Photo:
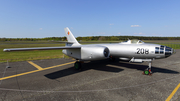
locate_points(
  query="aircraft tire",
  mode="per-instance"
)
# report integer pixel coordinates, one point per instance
(77, 65)
(146, 72)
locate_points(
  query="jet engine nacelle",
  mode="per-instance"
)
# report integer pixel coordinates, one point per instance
(94, 53)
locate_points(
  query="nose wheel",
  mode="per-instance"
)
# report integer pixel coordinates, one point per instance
(148, 70)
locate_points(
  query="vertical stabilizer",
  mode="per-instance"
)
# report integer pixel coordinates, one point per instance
(70, 36)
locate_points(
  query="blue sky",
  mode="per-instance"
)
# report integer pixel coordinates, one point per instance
(48, 18)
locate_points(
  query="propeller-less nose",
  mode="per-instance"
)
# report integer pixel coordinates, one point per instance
(169, 51)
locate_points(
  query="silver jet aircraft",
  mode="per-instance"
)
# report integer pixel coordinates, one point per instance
(131, 50)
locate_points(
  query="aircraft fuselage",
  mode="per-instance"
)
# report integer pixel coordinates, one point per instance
(120, 50)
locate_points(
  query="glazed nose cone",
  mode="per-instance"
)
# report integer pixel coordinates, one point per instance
(169, 51)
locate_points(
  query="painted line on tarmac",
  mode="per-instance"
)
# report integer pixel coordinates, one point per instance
(35, 65)
(12, 76)
(173, 92)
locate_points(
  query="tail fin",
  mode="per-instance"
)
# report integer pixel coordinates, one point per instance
(70, 36)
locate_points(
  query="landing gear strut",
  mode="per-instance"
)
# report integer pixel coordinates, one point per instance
(77, 65)
(148, 70)
(112, 59)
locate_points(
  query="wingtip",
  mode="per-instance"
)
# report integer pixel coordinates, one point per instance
(6, 50)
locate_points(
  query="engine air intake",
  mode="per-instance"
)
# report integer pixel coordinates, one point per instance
(106, 52)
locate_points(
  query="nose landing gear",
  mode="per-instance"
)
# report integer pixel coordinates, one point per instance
(148, 70)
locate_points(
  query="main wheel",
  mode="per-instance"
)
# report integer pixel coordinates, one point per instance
(77, 65)
(112, 59)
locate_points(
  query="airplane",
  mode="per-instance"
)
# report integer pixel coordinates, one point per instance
(131, 50)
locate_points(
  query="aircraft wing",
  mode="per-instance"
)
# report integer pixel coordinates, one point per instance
(41, 48)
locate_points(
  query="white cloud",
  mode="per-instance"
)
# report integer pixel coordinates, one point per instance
(119, 33)
(135, 26)
(40, 28)
(111, 24)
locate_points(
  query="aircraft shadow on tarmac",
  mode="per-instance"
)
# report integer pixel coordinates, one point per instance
(102, 66)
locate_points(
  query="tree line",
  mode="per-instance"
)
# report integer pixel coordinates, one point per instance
(91, 38)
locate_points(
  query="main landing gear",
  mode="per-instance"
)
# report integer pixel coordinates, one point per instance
(148, 70)
(77, 65)
(112, 59)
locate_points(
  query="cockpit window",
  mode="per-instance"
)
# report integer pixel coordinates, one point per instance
(156, 50)
(162, 46)
(161, 50)
(134, 41)
(141, 41)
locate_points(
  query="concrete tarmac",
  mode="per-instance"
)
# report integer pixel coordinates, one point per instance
(57, 80)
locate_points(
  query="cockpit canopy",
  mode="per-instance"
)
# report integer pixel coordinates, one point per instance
(133, 41)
